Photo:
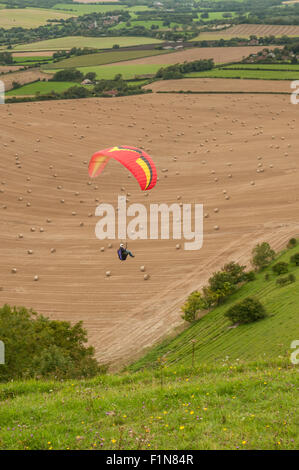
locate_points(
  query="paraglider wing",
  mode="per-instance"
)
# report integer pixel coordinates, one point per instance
(135, 160)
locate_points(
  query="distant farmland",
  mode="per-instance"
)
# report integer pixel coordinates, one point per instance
(68, 42)
(109, 71)
(29, 17)
(103, 58)
(246, 30)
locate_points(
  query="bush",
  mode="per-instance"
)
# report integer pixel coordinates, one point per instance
(295, 259)
(280, 268)
(68, 75)
(267, 277)
(283, 281)
(192, 306)
(36, 346)
(250, 276)
(262, 255)
(292, 243)
(246, 311)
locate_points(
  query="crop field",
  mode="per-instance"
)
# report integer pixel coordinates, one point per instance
(218, 85)
(252, 74)
(103, 58)
(282, 67)
(97, 8)
(68, 42)
(246, 30)
(270, 337)
(220, 55)
(29, 17)
(23, 77)
(41, 87)
(217, 15)
(109, 71)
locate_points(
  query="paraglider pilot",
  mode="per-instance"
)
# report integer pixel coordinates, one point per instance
(123, 252)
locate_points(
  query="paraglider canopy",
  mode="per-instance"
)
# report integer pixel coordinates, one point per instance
(135, 160)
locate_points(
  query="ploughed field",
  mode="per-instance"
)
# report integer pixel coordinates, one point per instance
(235, 154)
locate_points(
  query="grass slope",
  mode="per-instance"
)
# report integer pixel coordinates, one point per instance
(265, 339)
(29, 17)
(229, 406)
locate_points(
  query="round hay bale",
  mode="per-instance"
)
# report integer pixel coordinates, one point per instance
(108, 273)
(142, 268)
(53, 250)
(216, 227)
(30, 252)
(14, 270)
(178, 246)
(102, 248)
(36, 277)
(146, 277)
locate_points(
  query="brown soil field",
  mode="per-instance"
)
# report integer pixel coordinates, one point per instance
(34, 54)
(45, 195)
(8, 68)
(246, 30)
(222, 85)
(24, 77)
(219, 54)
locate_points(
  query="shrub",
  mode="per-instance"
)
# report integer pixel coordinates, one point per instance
(292, 243)
(250, 276)
(292, 278)
(280, 268)
(283, 281)
(267, 277)
(262, 255)
(246, 311)
(37, 346)
(68, 75)
(193, 305)
(295, 259)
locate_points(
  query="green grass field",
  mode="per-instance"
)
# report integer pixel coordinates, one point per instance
(249, 74)
(231, 406)
(80, 9)
(216, 15)
(267, 339)
(41, 87)
(68, 42)
(29, 17)
(282, 67)
(109, 71)
(103, 58)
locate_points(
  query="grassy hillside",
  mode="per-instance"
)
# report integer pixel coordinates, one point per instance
(241, 391)
(262, 74)
(231, 406)
(215, 340)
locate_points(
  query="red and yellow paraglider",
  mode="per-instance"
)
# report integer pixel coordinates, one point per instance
(135, 160)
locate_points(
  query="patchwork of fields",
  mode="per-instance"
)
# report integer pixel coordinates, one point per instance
(29, 17)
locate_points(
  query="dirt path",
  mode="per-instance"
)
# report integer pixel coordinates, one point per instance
(212, 137)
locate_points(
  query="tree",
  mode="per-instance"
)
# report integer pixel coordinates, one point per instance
(192, 306)
(280, 268)
(38, 346)
(295, 259)
(246, 311)
(91, 76)
(68, 75)
(262, 255)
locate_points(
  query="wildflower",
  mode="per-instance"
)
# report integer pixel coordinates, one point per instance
(244, 442)
(182, 427)
(191, 412)
(113, 441)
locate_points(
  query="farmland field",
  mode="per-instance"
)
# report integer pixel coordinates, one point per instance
(102, 58)
(220, 55)
(109, 71)
(23, 77)
(254, 74)
(246, 30)
(85, 9)
(206, 85)
(68, 42)
(29, 17)
(41, 87)
(283, 67)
